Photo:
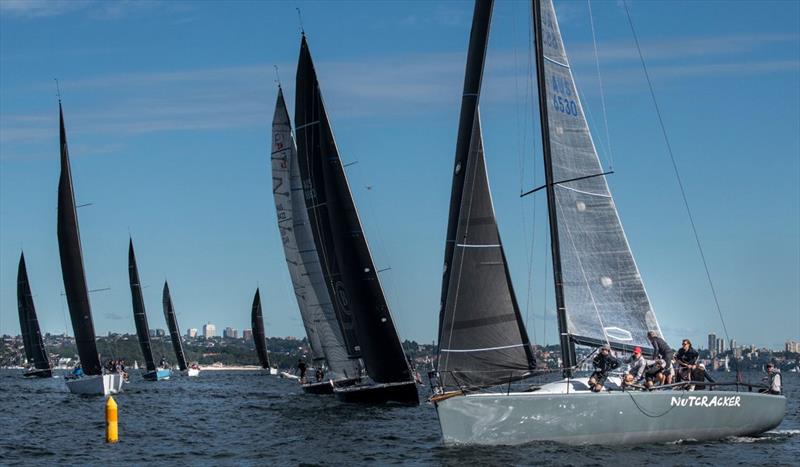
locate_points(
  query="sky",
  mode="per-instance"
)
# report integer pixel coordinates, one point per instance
(168, 108)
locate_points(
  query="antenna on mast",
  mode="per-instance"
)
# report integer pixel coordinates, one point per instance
(300, 18)
(277, 76)
(58, 89)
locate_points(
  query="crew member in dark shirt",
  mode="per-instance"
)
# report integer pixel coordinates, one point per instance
(604, 362)
(662, 350)
(301, 367)
(686, 358)
(700, 375)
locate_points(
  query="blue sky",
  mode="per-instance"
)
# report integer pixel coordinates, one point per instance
(168, 108)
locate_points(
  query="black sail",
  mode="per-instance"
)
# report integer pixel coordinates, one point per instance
(260, 338)
(482, 341)
(473, 75)
(343, 251)
(69, 249)
(28, 323)
(139, 315)
(174, 330)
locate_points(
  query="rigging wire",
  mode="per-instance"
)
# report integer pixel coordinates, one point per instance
(677, 172)
(602, 91)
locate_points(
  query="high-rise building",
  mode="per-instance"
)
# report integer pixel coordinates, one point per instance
(712, 344)
(191, 332)
(160, 333)
(720, 345)
(209, 330)
(793, 347)
(247, 334)
(229, 333)
(732, 347)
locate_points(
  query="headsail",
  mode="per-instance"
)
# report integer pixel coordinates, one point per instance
(174, 330)
(69, 248)
(344, 255)
(482, 341)
(604, 297)
(319, 318)
(259, 337)
(28, 323)
(139, 314)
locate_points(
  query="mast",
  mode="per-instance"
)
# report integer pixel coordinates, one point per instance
(139, 314)
(478, 39)
(567, 346)
(71, 256)
(259, 336)
(174, 330)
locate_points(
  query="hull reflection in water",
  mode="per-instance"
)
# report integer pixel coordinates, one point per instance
(616, 417)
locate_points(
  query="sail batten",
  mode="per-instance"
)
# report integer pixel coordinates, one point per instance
(347, 266)
(316, 310)
(174, 330)
(259, 335)
(139, 313)
(604, 301)
(28, 322)
(71, 256)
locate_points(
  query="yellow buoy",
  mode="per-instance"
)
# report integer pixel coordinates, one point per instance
(112, 431)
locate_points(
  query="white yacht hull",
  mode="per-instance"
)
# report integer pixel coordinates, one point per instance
(193, 372)
(286, 375)
(99, 385)
(616, 417)
(273, 371)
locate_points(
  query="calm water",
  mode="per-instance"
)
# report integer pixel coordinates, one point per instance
(245, 418)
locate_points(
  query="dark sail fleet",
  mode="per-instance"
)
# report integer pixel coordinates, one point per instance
(35, 352)
(139, 314)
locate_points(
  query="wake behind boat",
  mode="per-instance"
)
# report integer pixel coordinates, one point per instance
(600, 297)
(94, 382)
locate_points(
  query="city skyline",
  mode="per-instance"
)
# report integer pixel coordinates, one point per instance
(170, 144)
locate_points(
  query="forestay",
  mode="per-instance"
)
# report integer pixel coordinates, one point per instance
(482, 341)
(604, 296)
(319, 318)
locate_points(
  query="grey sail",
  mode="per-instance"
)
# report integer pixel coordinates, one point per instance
(482, 341)
(174, 330)
(259, 336)
(342, 248)
(604, 298)
(69, 249)
(316, 310)
(139, 314)
(28, 322)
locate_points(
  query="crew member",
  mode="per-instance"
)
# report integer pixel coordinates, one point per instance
(604, 362)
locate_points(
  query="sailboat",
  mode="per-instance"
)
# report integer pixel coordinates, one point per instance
(343, 254)
(600, 298)
(29, 326)
(326, 334)
(175, 334)
(152, 373)
(69, 247)
(259, 337)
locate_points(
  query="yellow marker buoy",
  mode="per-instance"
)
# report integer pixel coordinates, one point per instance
(112, 431)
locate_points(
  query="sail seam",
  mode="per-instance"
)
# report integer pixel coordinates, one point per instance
(582, 192)
(555, 61)
(298, 128)
(483, 349)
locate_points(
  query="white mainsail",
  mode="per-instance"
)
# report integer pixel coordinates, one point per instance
(316, 309)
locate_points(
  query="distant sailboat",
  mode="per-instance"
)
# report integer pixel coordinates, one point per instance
(175, 334)
(69, 248)
(600, 298)
(259, 337)
(326, 336)
(29, 326)
(343, 253)
(152, 372)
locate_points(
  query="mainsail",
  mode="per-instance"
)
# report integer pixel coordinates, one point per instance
(69, 248)
(343, 252)
(482, 341)
(28, 323)
(174, 330)
(139, 315)
(319, 318)
(604, 298)
(259, 337)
